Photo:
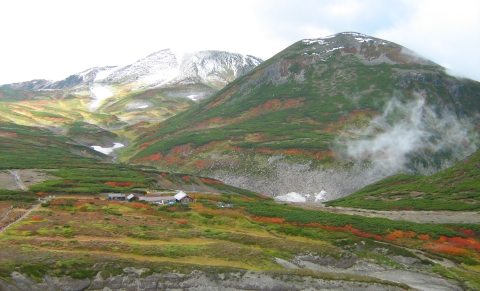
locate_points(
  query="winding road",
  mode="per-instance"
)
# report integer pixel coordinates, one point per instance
(19, 218)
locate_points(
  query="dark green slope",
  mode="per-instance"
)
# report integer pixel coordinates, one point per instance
(456, 188)
(26, 147)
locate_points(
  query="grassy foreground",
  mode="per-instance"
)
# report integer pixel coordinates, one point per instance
(70, 236)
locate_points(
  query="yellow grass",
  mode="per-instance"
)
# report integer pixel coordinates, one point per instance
(194, 260)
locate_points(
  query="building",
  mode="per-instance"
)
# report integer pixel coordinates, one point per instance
(116, 196)
(182, 197)
(159, 199)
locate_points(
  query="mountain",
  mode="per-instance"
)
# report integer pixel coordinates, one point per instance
(322, 118)
(151, 89)
(205, 71)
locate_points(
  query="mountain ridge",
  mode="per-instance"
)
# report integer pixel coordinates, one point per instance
(162, 68)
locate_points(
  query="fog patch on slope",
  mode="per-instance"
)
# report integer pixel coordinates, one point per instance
(412, 130)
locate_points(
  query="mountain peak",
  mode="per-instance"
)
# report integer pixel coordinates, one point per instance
(371, 49)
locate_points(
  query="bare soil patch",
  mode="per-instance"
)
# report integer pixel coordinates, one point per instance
(28, 177)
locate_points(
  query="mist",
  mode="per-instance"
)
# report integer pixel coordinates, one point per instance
(413, 130)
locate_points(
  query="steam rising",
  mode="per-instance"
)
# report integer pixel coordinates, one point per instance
(417, 129)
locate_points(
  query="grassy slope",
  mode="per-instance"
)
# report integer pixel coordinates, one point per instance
(456, 188)
(296, 119)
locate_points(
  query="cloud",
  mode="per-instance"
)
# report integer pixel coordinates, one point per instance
(53, 39)
(415, 129)
(445, 32)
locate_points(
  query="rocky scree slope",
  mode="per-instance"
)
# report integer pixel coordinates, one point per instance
(331, 115)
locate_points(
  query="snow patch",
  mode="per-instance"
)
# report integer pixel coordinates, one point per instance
(299, 197)
(99, 93)
(107, 151)
(291, 197)
(193, 97)
(104, 74)
(320, 196)
(142, 107)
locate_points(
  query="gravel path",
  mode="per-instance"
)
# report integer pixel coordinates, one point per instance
(414, 216)
(20, 218)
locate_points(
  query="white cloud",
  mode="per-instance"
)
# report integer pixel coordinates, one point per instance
(345, 9)
(445, 32)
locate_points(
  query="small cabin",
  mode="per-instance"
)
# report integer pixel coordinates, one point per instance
(116, 196)
(182, 197)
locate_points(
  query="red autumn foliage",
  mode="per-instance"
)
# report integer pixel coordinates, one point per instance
(151, 158)
(145, 144)
(449, 250)
(237, 149)
(120, 184)
(183, 222)
(468, 232)
(149, 212)
(263, 196)
(424, 237)
(292, 152)
(269, 219)
(400, 234)
(59, 202)
(164, 175)
(211, 181)
(79, 203)
(171, 160)
(186, 178)
(137, 205)
(199, 164)
(36, 218)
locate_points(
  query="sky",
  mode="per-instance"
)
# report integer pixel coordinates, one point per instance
(50, 39)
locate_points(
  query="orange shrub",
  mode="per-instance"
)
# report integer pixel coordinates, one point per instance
(449, 250)
(36, 218)
(423, 237)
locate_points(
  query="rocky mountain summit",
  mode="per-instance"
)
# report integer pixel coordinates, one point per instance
(209, 71)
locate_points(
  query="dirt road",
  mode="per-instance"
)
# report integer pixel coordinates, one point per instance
(414, 216)
(19, 218)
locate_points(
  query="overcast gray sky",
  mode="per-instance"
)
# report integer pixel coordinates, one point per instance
(49, 39)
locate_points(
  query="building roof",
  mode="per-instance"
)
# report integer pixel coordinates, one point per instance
(130, 196)
(180, 195)
(157, 199)
(116, 195)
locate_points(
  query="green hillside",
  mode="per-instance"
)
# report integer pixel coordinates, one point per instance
(456, 188)
(305, 104)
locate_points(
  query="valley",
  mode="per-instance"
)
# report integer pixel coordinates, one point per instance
(342, 163)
